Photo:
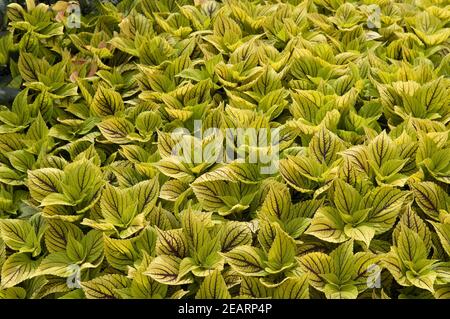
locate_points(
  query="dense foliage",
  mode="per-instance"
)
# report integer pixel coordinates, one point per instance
(99, 198)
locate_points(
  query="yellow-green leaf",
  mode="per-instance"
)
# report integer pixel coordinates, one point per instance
(213, 287)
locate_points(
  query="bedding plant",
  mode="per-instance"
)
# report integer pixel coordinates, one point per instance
(225, 149)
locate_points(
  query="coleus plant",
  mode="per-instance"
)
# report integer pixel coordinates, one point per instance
(320, 168)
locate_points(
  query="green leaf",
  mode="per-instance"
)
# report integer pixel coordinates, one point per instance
(165, 269)
(433, 95)
(246, 260)
(367, 271)
(266, 234)
(17, 268)
(145, 193)
(116, 129)
(315, 264)
(325, 145)
(21, 160)
(268, 81)
(105, 287)
(225, 197)
(174, 168)
(57, 264)
(9, 176)
(43, 182)
(252, 287)
(208, 256)
(56, 234)
(172, 190)
(293, 288)
(385, 202)
(145, 242)
(233, 172)
(38, 129)
(120, 253)
(361, 233)
(75, 250)
(297, 172)
(281, 254)
(144, 287)
(18, 235)
(346, 198)
(213, 287)
(13, 293)
(442, 292)
(410, 246)
(430, 198)
(381, 149)
(148, 122)
(235, 234)
(277, 203)
(93, 246)
(74, 294)
(172, 242)
(106, 102)
(424, 281)
(56, 199)
(342, 264)
(393, 264)
(2, 252)
(161, 218)
(341, 292)
(327, 225)
(82, 177)
(443, 231)
(412, 221)
(195, 229)
(30, 67)
(118, 206)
